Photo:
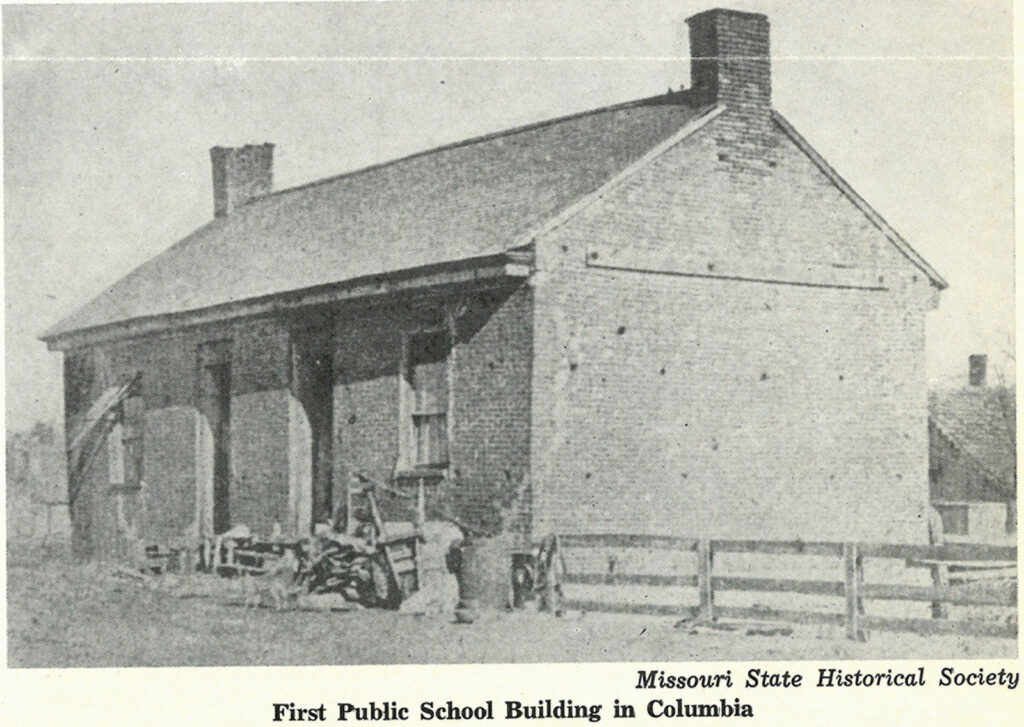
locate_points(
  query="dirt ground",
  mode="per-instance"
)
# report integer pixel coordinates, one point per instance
(61, 615)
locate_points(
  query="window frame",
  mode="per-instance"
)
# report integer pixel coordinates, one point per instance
(125, 454)
(408, 448)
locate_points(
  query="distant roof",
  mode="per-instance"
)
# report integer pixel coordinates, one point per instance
(466, 200)
(980, 421)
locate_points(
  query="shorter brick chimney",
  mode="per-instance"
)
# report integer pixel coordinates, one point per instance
(977, 363)
(730, 60)
(240, 174)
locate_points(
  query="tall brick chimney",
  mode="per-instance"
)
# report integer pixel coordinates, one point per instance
(977, 363)
(240, 174)
(729, 60)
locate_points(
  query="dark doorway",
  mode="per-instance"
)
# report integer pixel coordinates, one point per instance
(215, 372)
(314, 390)
(220, 376)
(321, 419)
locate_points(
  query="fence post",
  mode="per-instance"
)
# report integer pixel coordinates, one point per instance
(229, 553)
(864, 633)
(551, 588)
(940, 579)
(706, 611)
(854, 604)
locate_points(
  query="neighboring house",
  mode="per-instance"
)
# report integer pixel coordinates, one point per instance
(670, 315)
(973, 457)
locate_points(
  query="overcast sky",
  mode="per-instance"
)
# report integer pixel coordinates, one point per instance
(109, 113)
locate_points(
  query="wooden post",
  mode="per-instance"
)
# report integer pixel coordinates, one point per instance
(417, 561)
(551, 603)
(555, 588)
(854, 603)
(377, 531)
(209, 555)
(705, 565)
(421, 504)
(940, 571)
(860, 593)
(940, 579)
(350, 520)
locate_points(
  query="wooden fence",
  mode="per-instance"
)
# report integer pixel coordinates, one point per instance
(953, 568)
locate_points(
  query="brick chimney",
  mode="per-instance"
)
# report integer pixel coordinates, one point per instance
(977, 363)
(729, 60)
(240, 174)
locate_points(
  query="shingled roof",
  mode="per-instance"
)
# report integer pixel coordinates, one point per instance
(980, 422)
(458, 202)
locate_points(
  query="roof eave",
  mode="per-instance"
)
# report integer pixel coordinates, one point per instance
(504, 266)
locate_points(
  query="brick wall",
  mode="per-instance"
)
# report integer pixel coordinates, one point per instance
(490, 417)
(491, 425)
(259, 426)
(490, 403)
(172, 451)
(168, 365)
(672, 394)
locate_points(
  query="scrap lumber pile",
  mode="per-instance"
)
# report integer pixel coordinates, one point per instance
(371, 567)
(375, 564)
(348, 565)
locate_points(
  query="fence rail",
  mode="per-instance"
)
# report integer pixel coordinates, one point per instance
(974, 559)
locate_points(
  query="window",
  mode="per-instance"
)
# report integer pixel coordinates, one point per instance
(132, 429)
(115, 453)
(425, 394)
(954, 518)
(124, 445)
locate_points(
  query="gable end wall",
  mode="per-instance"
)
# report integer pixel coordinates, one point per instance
(671, 397)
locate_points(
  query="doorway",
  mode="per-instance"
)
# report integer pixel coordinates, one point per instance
(313, 388)
(220, 425)
(215, 405)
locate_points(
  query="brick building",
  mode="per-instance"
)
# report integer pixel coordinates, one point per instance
(669, 315)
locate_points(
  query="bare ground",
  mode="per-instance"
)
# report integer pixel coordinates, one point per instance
(63, 615)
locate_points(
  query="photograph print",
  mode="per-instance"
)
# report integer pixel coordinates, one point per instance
(428, 332)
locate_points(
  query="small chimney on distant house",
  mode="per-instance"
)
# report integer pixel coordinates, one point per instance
(240, 174)
(730, 60)
(977, 363)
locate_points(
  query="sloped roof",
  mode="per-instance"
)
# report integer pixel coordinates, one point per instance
(980, 421)
(458, 202)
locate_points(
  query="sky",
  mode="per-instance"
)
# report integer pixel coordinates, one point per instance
(109, 113)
